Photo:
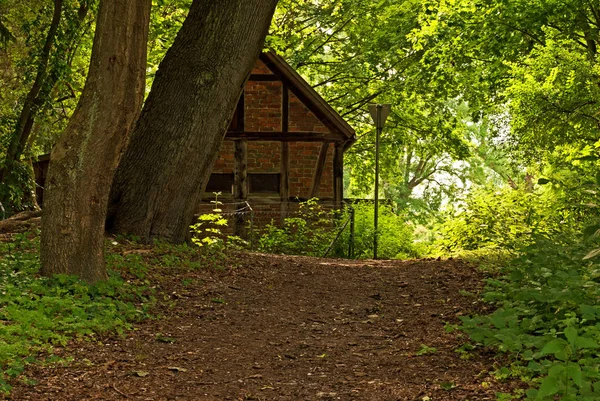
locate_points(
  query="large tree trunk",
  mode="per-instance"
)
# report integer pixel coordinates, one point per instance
(175, 141)
(83, 161)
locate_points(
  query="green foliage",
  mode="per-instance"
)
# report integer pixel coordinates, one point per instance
(505, 219)
(165, 20)
(425, 350)
(547, 319)
(208, 231)
(395, 240)
(13, 190)
(42, 86)
(533, 62)
(364, 52)
(38, 314)
(312, 229)
(309, 231)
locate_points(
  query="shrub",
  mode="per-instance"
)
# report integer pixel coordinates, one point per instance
(547, 319)
(395, 239)
(499, 219)
(208, 230)
(308, 232)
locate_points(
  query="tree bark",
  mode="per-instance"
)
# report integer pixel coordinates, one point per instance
(176, 139)
(83, 161)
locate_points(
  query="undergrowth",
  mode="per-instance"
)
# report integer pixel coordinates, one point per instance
(543, 288)
(38, 314)
(307, 232)
(313, 229)
(547, 319)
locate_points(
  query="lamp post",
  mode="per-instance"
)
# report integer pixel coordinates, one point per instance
(379, 113)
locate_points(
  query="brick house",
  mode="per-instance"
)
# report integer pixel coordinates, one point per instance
(284, 142)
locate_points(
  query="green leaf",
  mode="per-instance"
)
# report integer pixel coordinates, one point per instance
(586, 343)
(554, 347)
(574, 372)
(571, 334)
(589, 312)
(556, 369)
(549, 386)
(543, 181)
(447, 385)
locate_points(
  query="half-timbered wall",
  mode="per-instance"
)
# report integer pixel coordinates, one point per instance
(263, 111)
(265, 157)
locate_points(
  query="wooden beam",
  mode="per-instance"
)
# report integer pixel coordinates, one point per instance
(240, 184)
(285, 109)
(338, 174)
(284, 177)
(307, 95)
(281, 136)
(240, 111)
(263, 77)
(240, 174)
(284, 184)
(320, 166)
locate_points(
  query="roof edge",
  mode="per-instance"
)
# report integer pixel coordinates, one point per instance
(308, 94)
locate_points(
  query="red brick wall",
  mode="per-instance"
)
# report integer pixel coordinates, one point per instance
(260, 68)
(262, 106)
(304, 157)
(225, 161)
(302, 119)
(265, 157)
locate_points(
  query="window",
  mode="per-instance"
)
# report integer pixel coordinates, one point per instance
(259, 183)
(220, 182)
(264, 182)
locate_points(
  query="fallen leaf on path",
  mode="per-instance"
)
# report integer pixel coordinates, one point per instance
(177, 369)
(140, 373)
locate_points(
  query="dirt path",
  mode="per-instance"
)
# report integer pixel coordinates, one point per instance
(289, 328)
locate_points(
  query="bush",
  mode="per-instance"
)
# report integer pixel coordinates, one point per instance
(500, 219)
(545, 297)
(308, 232)
(395, 239)
(547, 319)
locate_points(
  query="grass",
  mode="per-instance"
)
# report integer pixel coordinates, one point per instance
(38, 314)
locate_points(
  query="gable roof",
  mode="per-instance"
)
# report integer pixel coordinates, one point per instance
(307, 95)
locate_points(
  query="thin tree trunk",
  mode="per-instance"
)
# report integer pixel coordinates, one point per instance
(38, 95)
(84, 159)
(25, 121)
(175, 142)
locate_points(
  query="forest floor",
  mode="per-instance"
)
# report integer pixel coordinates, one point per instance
(288, 328)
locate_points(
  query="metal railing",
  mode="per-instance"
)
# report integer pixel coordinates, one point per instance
(248, 220)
